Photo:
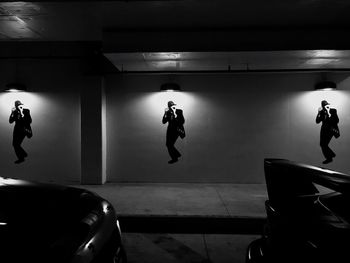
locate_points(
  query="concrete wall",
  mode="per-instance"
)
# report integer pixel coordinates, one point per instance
(54, 101)
(232, 122)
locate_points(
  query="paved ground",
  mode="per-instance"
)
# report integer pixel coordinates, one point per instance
(176, 223)
(176, 248)
(214, 200)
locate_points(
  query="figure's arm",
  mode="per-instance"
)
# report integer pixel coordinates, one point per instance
(165, 117)
(320, 116)
(12, 116)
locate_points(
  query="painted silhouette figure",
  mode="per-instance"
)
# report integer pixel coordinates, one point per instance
(22, 119)
(329, 118)
(175, 119)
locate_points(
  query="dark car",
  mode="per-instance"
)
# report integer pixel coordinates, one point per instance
(308, 215)
(55, 223)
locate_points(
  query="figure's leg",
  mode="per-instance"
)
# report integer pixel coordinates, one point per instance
(17, 141)
(170, 143)
(175, 151)
(324, 143)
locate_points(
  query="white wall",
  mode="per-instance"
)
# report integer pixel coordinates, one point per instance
(54, 101)
(232, 122)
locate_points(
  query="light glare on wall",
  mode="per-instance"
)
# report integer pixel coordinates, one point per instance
(158, 101)
(311, 101)
(7, 99)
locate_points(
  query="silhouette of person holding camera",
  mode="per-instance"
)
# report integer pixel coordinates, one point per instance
(329, 118)
(175, 119)
(22, 119)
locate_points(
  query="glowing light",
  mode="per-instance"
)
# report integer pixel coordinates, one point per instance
(327, 89)
(157, 102)
(311, 101)
(4, 181)
(13, 90)
(326, 85)
(30, 100)
(15, 87)
(170, 87)
(3, 224)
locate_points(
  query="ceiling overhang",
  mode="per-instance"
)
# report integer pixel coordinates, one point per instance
(241, 39)
(236, 61)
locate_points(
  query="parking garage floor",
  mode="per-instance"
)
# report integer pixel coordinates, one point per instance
(192, 248)
(184, 199)
(187, 222)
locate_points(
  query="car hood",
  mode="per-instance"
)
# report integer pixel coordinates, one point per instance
(38, 217)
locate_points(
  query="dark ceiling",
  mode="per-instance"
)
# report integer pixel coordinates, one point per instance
(212, 30)
(86, 20)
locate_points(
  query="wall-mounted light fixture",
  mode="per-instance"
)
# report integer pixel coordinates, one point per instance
(170, 87)
(15, 87)
(326, 85)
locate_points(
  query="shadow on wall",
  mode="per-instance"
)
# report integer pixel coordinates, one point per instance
(152, 107)
(303, 110)
(31, 101)
(135, 127)
(54, 149)
(231, 123)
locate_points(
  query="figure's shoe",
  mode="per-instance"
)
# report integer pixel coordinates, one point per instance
(327, 161)
(19, 161)
(173, 161)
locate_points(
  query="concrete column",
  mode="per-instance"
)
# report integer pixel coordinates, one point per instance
(104, 134)
(93, 132)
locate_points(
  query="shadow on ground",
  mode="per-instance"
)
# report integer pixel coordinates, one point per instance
(192, 224)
